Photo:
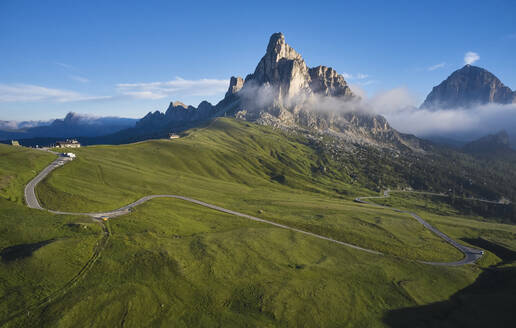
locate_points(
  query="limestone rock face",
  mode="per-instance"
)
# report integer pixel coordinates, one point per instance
(235, 84)
(466, 87)
(284, 92)
(285, 70)
(326, 81)
(290, 93)
(282, 68)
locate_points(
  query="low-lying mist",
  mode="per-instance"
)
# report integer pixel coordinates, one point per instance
(399, 107)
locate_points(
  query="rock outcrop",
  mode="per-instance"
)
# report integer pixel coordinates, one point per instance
(467, 87)
(282, 68)
(235, 84)
(326, 81)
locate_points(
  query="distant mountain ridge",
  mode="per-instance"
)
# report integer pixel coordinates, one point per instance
(20, 125)
(73, 125)
(284, 92)
(492, 144)
(468, 86)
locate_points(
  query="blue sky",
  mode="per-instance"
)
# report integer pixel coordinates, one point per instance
(126, 58)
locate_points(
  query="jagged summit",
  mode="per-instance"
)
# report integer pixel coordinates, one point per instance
(326, 81)
(278, 48)
(235, 84)
(178, 104)
(468, 86)
(285, 70)
(282, 68)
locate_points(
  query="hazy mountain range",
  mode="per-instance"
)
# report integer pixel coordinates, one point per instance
(73, 125)
(491, 144)
(285, 93)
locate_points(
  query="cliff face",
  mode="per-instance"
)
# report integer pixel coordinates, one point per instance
(292, 94)
(469, 86)
(325, 80)
(281, 68)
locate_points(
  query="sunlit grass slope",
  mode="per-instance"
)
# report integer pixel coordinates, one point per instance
(244, 167)
(39, 252)
(175, 264)
(171, 263)
(17, 166)
(489, 301)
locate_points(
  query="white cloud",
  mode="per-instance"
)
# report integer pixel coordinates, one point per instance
(357, 90)
(358, 76)
(31, 93)
(392, 101)
(74, 73)
(369, 82)
(470, 57)
(177, 87)
(399, 106)
(66, 66)
(436, 66)
(456, 123)
(79, 78)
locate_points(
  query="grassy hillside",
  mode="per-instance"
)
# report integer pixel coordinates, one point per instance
(243, 167)
(172, 263)
(39, 252)
(17, 166)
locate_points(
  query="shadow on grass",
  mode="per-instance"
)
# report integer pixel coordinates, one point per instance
(505, 254)
(18, 252)
(488, 302)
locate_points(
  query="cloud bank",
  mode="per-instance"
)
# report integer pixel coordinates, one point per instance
(436, 66)
(32, 93)
(174, 88)
(400, 109)
(470, 57)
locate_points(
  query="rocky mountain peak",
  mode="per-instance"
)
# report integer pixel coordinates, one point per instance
(470, 85)
(235, 84)
(178, 104)
(284, 92)
(282, 68)
(278, 49)
(325, 80)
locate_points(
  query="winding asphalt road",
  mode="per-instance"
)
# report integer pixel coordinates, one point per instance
(470, 255)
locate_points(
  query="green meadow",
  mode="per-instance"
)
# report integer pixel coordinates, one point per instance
(173, 263)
